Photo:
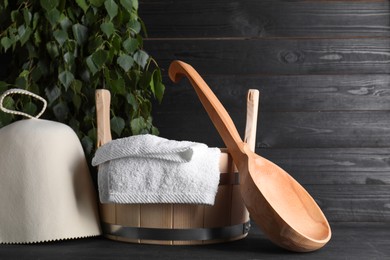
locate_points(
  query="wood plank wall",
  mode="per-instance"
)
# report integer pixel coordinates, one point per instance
(323, 71)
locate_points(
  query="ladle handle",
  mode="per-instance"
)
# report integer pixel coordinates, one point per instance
(217, 113)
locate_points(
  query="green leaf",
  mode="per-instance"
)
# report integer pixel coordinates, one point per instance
(6, 43)
(61, 111)
(99, 58)
(21, 30)
(96, 3)
(34, 88)
(60, 36)
(21, 82)
(138, 125)
(52, 49)
(80, 33)
(107, 77)
(135, 4)
(37, 39)
(39, 71)
(91, 65)
(134, 25)
(27, 16)
(14, 16)
(87, 144)
(158, 88)
(66, 78)
(149, 121)
(52, 94)
(125, 61)
(92, 133)
(117, 125)
(53, 16)
(146, 107)
(127, 4)
(65, 23)
(155, 131)
(69, 58)
(35, 20)
(132, 101)
(83, 5)
(76, 86)
(4, 3)
(24, 74)
(30, 108)
(95, 43)
(24, 34)
(141, 58)
(130, 45)
(85, 75)
(118, 86)
(74, 124)
(9, 103)
(36, 74)
(145, 80)
(107, 28)
(49, 4)
(5, 119)
(112, 8)
(76, 99)
(116, 43)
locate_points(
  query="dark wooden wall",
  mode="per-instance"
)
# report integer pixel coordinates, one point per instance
(323, 69)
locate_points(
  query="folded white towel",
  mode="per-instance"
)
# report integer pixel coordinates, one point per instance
(151, 169)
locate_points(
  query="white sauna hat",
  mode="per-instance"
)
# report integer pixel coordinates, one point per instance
(46, 191)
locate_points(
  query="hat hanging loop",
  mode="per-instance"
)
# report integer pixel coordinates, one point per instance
(21, 92)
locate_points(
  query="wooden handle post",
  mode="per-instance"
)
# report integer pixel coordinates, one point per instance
(103, 98)
(252, 107)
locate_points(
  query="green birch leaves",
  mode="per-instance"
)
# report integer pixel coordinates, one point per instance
(64, 50)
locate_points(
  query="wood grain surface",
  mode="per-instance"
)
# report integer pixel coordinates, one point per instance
(322, 68)
(283, 93)
(265, 18)
(276, 56)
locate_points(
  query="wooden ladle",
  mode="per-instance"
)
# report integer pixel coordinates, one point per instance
(278, 204)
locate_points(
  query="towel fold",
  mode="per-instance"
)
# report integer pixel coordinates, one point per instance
(151, 169)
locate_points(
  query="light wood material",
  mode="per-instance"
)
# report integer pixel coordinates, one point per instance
(283, 209)
(252, 110)
(228, 210)
(103, 98)
(188, 215)
(127, 215)
(156, 216)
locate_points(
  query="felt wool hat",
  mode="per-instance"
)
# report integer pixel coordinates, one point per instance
(46, 191)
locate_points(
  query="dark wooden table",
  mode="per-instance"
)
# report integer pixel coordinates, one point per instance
(350, 241)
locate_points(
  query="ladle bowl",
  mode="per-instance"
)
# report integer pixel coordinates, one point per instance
(278, 204)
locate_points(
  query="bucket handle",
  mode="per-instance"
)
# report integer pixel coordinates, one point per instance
(252, 110)
(21, 92)
(103, 98)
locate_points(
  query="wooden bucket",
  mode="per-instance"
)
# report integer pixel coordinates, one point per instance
(179, 224)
